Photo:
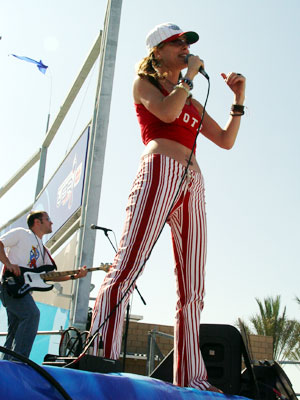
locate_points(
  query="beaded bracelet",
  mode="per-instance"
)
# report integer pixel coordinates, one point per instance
(188, 82)
(180, 85)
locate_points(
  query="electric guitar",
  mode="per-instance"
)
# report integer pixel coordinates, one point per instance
(35, 279)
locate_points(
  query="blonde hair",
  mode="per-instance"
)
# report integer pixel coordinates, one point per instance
(148, 66)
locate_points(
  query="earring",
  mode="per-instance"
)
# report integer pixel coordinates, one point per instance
(156, 62)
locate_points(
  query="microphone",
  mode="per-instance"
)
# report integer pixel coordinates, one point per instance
(93, 226)
(201, 69)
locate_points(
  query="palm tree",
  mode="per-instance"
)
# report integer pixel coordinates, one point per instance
(285, 332)
(297, 349)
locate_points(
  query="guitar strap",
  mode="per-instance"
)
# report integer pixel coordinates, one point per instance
(49, 255)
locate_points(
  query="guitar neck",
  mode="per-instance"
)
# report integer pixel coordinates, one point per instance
(50, 275)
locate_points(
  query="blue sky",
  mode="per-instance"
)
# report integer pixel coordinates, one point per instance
(252, 191)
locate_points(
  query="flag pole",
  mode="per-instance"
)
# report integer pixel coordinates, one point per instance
(44, 149)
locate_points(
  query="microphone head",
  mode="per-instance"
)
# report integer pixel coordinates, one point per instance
(186, 58)
(93, 226)
(201, 69)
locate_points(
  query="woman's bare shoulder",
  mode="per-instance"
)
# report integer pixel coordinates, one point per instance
(144, 89)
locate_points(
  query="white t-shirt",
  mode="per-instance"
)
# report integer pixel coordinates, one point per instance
(25, 249)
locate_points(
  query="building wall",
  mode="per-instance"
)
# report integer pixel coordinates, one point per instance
(137, 346)
(261, 346)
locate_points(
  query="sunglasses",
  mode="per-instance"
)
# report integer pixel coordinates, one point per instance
(179, 42)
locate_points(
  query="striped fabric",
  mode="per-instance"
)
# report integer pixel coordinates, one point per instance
(151, 197)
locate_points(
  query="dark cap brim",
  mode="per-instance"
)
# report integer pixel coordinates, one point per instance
(191, 37)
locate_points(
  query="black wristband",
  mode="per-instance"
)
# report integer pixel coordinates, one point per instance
(72, 276)
(188, 82)
(238, 108)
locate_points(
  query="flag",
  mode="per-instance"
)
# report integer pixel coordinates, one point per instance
(42, 67)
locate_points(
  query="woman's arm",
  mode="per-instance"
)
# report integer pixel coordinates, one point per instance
(166, 108)
(226, 137)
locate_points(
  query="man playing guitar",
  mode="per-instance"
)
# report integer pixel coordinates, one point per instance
(24, 247)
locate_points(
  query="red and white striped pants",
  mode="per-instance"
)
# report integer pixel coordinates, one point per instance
(150, 199)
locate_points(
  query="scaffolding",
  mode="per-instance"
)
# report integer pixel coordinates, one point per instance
(104, 48)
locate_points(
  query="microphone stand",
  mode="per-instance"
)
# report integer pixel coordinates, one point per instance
(125, 336)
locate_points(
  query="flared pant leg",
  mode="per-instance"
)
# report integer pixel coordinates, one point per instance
(188, 226)
(150, 200)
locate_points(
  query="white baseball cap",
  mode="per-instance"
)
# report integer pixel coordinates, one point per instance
(166, 33)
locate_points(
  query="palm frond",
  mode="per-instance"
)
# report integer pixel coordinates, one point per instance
(270, 321)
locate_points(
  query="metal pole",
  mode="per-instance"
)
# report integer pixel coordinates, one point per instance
(126, 336)
(90, 207)
(152, 351)
(41, 173)
(42, 166)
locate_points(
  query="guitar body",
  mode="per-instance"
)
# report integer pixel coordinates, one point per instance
(35, 279)
(30, 279)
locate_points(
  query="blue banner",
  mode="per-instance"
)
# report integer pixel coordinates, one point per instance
(62, 196)
(19, 381)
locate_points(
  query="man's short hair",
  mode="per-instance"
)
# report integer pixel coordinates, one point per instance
(32, 216)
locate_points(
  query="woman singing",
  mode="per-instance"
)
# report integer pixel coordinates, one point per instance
(166, 190)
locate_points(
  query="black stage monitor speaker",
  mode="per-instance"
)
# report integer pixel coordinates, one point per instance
(86, 363)
(164, 370)
(272, 381)
(221, 347)
(99, 364)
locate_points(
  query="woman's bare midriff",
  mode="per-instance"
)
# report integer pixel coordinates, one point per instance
(173, 150)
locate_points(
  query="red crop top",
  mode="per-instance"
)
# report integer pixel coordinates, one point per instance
(183, 130)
